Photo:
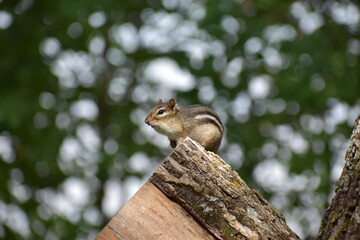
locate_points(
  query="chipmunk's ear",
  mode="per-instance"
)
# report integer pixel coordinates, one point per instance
(159, 101)
(171, 103)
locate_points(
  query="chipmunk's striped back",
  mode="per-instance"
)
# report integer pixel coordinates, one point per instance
(205, 115)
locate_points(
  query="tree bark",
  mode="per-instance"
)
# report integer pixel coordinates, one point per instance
(342, 218)
(217, 197)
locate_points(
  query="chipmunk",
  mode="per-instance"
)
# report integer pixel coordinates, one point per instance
(198, 122)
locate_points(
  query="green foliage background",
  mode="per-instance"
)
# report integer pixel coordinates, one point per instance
(75, 87)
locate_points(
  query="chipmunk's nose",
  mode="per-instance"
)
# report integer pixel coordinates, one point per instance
(147, 121)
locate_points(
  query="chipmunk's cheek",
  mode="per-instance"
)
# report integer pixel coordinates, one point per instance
(158, 128)
(154, 126)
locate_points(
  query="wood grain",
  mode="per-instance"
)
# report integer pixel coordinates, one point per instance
(151, 215)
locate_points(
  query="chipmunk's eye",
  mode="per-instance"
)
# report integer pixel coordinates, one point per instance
(161, 111)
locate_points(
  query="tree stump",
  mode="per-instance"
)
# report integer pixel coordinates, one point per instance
(194, 194)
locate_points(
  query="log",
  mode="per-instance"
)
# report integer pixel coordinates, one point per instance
(342, 218)
(194, 194)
